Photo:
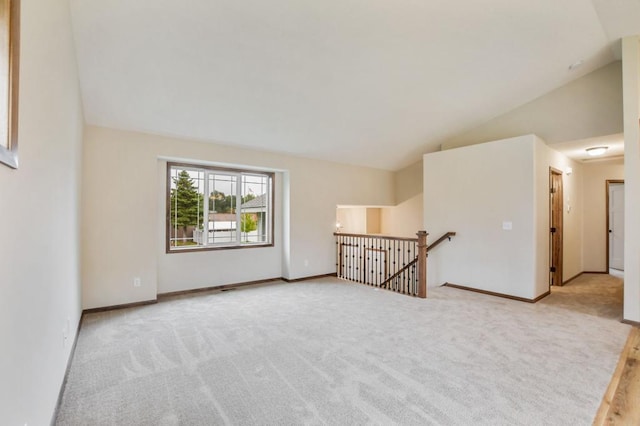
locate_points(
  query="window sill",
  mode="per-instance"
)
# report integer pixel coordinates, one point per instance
(216, 248)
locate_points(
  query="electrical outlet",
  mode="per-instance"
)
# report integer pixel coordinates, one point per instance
(137, 282)
(64, 338)
(306, 263)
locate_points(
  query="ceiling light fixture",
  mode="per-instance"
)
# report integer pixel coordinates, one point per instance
(597, 150)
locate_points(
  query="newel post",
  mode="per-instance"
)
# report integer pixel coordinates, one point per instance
(422, 264)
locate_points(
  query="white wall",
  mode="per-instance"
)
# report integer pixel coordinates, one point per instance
(39, 247)
(486, 185)
(631, 90)
(472, 191)
(595, 211)
(123, 216)
(594, 102)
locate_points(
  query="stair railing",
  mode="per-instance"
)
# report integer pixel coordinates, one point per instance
(394, 263)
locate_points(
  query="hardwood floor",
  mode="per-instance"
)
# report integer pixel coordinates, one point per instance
(602, 295)
(620, 405)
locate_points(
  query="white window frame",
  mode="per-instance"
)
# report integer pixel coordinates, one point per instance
(238, 174)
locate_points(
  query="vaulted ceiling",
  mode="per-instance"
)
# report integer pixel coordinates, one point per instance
(373, 82)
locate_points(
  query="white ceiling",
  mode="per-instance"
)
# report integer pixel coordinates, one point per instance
(373, 82)
(577, 149)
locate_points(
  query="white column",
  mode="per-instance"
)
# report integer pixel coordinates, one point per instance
(631, 96)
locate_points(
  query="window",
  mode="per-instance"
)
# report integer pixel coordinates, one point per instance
(213, 208)
(9, 53)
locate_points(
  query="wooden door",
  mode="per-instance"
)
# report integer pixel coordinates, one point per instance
(555, 223)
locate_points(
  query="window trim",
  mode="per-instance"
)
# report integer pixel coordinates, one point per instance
(234, 246)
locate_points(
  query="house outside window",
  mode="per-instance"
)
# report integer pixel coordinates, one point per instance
(212, 208)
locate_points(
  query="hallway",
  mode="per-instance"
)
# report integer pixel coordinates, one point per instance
(593, 294)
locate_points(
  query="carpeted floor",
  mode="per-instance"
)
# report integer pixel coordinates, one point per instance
(592, 294)
(331, 352)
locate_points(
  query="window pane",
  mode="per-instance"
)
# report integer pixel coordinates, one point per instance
(222, 223)
(254, 209)
(214, 208)
(187, 207)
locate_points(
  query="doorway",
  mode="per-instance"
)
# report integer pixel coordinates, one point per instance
(615, 225)
(555, 224)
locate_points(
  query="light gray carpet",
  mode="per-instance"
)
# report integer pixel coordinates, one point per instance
(593, 294)
(331, 352)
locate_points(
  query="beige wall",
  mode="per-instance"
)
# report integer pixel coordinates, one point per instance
(594, 102)
(595, 211)
(358, 220)
(353, 220)
(572, 214)
(124, 185)
(408, 182)
(405, 219)
(39, 248)
(631, 82)
(373, 220)
(487, 185)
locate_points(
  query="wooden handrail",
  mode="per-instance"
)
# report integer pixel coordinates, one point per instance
(370, 258)
(448, 236)
(404, 268)
(382, 237)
